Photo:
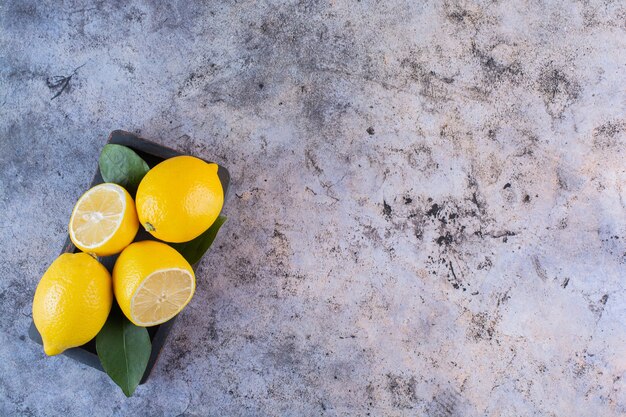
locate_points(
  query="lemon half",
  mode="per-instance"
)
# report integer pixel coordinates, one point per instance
(104, 220)
(152, 282)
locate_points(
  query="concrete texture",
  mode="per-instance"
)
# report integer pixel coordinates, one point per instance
(429, 207)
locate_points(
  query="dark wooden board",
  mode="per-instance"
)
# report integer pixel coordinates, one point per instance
(152, 153)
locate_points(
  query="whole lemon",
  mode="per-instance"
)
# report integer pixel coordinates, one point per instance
(152, 282)
(179, 198)
(72, 302)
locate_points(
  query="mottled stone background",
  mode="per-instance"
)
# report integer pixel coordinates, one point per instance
(428, 215)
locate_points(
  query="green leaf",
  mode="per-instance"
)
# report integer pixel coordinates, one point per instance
(124, 350)
(121, 165)
(194, 249)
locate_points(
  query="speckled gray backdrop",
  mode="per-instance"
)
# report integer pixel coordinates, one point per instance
(428, 211)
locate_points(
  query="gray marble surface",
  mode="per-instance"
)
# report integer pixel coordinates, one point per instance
(428, 214)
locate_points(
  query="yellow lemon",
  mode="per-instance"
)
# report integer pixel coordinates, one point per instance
(104, 220)
(179, 198)
(152, 282)
(72, 302)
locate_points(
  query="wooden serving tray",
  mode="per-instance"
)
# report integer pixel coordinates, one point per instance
(152, 153)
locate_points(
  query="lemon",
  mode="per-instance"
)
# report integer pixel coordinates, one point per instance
(152, 282)
(179, 198)
(104, 220)
(72, 302)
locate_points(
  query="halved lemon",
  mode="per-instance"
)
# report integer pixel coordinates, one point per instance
(104, 220)
(152, 282)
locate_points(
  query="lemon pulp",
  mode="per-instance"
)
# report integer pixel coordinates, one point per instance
(161, 296)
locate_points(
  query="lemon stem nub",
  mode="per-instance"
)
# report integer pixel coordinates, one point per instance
(149, 227)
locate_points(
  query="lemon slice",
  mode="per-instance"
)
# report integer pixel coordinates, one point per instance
(161, 296)
(104, 220)
(152, 282)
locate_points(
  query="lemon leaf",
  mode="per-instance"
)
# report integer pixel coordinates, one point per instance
(124, 350)
(193, 250)
(121, 165)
